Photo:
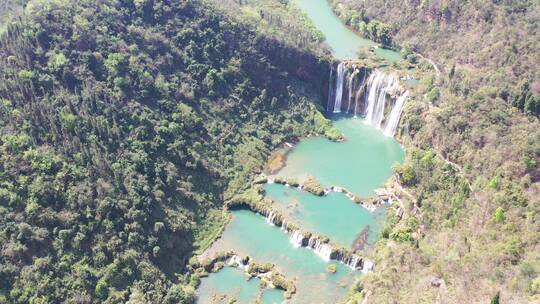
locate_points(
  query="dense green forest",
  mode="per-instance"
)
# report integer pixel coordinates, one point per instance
(10, 10)
(472, 176)
(124, 127)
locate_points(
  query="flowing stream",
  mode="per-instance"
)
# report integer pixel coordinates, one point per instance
(360, 164)
(345, 43)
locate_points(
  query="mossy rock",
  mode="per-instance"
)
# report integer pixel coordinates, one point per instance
(280, 180)
(255, 269)
(332, 268)
(218, 266)
(358, 200)
(260, 180)
(293, 182)
(281, 282)
(312, 186)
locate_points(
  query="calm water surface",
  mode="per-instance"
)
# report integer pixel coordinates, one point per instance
(334, 215)
(362, 163)
(249, 234)
(344, 42)
(230, 283)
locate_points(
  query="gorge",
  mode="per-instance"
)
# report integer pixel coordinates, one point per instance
(302, 233)
(269, 151)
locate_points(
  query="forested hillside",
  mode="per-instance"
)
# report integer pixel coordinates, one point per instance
(124, 126)
(492, 43)
(9, 11)
(472, 176)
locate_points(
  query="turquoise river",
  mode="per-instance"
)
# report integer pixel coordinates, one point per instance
(362, 163)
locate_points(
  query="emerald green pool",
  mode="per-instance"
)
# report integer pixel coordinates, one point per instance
(231, 283)
(344, 42)
(334, 215)
(360, 164)
(249, 234)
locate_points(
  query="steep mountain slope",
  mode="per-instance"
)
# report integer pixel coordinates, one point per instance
(498, 37)
(472, 177)
(124, 126)
(9, 9)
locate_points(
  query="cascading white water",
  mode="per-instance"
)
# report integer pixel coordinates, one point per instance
(237, 261)
(297, 238)
(341, 71)
(351, 87)
(379, 85)
(368, 266)
(359, 92)
(374, 83)
(393, 119)
(330, 81)
(270, 218)
(353, 262)
(311, 242)
(321, 249)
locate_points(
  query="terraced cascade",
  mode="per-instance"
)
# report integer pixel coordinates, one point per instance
(318, 241)
(250, 234)
(231, 283)
(333, 215)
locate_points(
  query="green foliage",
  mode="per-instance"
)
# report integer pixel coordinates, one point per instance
(526, 101)
(499, 215)
(406, 174)
(373, 29)
(102, 290)
(401, 236)
(434, 95)
(535, 286)
(494, 183)
(69, 120)
(123, 129)
(57, 61)
(496, 298)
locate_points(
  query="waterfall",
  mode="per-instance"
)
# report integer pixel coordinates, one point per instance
(297, 238)
(330, 89)
(351, 87)
(270, 218)
(353, 262)
(237, 261)
(368, 266)
(341, 71)
(359, 92)
(393, 120)
(379, 85)
(375, 89)
(323, 250)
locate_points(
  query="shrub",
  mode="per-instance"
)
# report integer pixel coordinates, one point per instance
(102, 290)
(499, 215)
